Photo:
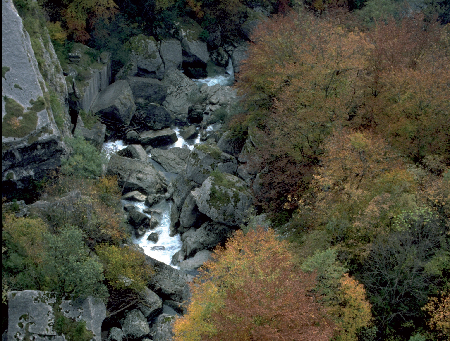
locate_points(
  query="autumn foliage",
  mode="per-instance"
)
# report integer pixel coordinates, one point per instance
(252, 291)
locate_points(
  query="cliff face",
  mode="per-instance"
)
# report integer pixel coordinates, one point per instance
(31, 140)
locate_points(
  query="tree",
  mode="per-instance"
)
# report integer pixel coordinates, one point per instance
(251, 290)
(79, 16)
(69, 269)
(439, 310)
(397, 272)
(411, 115)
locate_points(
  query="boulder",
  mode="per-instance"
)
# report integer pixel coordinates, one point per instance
(136, 175)
(158, 138)
(134, 151)
(206, 158)
(173, 160)
(171, 53)
(224, 198)
(95, 135)
(204, 238)
(153, 237)
(239, 54)
(150, 304)
(115, 334)
(138, 219)
(145, 54)
(31, 315)
(190, 215)
(189, 133)
(134, 196)
(162, 328)
(135, 325)
(168, 282)
(181, 188)
(230, 144)
(115, 104)
(195, 114)
(151, 117)
(195, 262)
(147, 90)
(182, 93)
(195, 51)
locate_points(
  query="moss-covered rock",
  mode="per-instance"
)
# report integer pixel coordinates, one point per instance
(224, 198)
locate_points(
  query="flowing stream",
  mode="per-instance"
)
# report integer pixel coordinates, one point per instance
(166, 246)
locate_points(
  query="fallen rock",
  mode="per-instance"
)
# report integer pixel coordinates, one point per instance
(158, 138)
(224, 198)
(135, 325)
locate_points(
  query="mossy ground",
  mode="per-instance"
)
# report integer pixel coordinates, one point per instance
(17, 122)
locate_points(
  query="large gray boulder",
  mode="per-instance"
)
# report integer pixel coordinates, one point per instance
(171, 53)
(31, 142)
(195, 262)
(145, 54)
(239, 54)
(31, 315)
(173, 160)
(95, 135)
(190, 216)
(115, 104)
(147, 90)
(168, 282)
(181, 189)
(195, 51)
(162, 328)
(150, 304)
(134, 151)
(158, 138)
(136, 175)
(151, 117)
(182, 93)
(135, 325)
(224, 198)
(204, 238)
(206, 158)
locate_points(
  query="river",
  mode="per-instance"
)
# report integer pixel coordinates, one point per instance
(166, 246)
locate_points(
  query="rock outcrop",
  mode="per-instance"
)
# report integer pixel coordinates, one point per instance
(31, 141)
(31, 315)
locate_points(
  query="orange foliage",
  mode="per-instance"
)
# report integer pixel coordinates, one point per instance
(251, 291)
(439, 309)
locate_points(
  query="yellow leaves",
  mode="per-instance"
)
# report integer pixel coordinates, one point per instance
(439, 310)
(353, 311)
(125, 266)
(28, 233)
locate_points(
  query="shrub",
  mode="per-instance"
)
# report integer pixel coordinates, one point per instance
(84, 161)
(69, 269)
(125, 267)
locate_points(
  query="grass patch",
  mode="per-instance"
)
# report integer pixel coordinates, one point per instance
(71, 329)
(18, 122)
(215, 152)
(89, 118)
(5, 69)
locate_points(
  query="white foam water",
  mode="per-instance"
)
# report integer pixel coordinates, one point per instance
(166, 246)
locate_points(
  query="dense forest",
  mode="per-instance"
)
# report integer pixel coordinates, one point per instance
(348, 103)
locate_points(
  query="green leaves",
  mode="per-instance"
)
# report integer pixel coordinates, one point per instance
(69, 269)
